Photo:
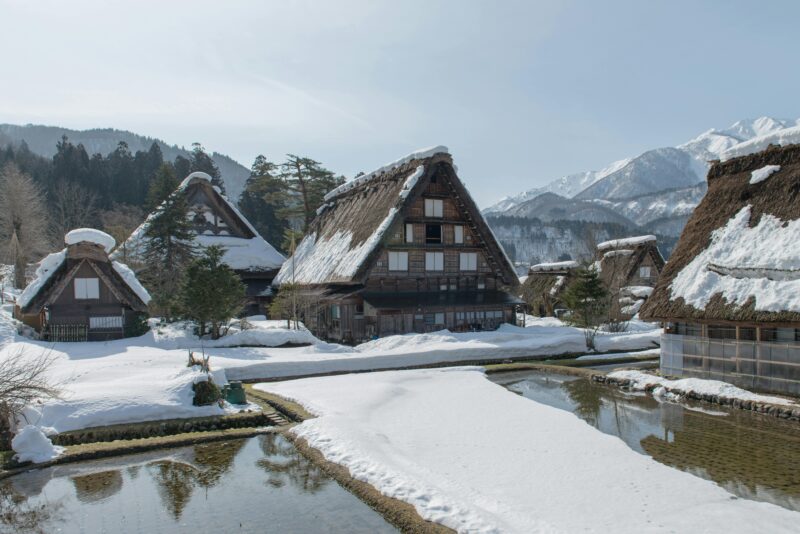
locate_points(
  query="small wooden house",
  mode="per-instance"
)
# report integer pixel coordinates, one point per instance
(401, 249)
(79, 294)
(544, 285)
(730, 294)
(216, 221)
(629, 268)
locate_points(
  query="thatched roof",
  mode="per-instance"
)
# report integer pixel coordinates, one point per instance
(620, 258)
(738, 258)
(345, 237)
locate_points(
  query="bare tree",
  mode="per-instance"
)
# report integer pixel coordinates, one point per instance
(23, 221)
(22, 381)
(119, 222)
(74, 206)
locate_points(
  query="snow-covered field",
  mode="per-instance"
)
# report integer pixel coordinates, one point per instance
(146, 378)
(475, 457)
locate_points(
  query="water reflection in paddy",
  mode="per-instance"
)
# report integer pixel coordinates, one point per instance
(260, 484)
(752, 456)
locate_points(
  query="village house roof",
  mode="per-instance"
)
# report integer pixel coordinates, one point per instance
(738, 258)
(82, 244)
(625, 255)
(349, 227)
(244, 248)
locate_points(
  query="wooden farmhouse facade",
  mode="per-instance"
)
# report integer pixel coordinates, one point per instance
(79, 294)
(629, 268)
(216, 221)
(402, 249)
(729, 294)
(543, 287)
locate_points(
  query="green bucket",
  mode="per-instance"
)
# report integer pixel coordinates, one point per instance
(234, 393)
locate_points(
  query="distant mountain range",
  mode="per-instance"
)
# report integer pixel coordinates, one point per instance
(42, 140)
(654, 192)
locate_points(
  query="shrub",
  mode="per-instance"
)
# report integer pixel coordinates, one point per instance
(206, 393)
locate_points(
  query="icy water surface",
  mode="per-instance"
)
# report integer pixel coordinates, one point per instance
(260, 484)
(752, 456)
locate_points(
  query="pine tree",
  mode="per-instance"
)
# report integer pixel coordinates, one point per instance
(587, 298)
(212, 292)
(164, 183)
(262, 200)
(202, 162)
(168, 247)
(308, 182)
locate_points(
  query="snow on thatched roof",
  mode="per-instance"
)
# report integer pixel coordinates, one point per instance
(554, 266)
(90, 235)
(350, 226)
(246, 252)
(738, 257)
(628, 242)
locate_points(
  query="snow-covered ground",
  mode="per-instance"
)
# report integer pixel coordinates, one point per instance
(652, 353)
(476, 457)
(642, 381)
(146, 378)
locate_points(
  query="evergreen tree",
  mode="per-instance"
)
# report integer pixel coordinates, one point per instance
(122, 174)
(164, 183)
(587, 298)
(182, 166)
(202, 162)
(168, 248)
(262, 200)
(307, 182)
(212, 292)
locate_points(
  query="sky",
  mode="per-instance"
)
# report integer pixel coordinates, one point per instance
(521, 92)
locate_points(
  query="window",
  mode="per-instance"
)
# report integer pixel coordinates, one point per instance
(87, 288)
(434, 207)
(443, 287)
(458, 234)
(439, 319)
(433, 233)
(747, 333)
(99, 323)
(335, 312)
(721, 332)
(468, 261)
(398, 261)
(644, 272)
(459, 317)
(434, 261)
(481, 284)
(409, 233)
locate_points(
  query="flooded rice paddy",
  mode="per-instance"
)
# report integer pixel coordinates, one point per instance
(260, 484)
(752, 456)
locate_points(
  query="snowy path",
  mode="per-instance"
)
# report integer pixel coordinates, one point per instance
(475, 457)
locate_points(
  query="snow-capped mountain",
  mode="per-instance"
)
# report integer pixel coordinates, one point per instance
(654, 192)
(656, 170)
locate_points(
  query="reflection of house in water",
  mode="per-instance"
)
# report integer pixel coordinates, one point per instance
(97, 486)
(761, 463)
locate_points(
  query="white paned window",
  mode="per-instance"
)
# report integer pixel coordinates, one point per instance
(458, 234)
(481, 284)
(113, 321)
(398, 261)
(409, 233)
(644, 272)
(87, 288)
(439, 318)
(434, 261)
(434, 207)
(468, 261)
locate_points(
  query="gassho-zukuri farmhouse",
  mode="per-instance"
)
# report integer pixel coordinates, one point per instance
(730, 292)
(401, 249)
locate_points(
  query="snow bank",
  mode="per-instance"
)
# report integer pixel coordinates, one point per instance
(641, 292)
(627, 242)
(130, 278)
(652, 353)
(31, 445)
(355, 182)
(90, 235)
(743, 262)
(759, 175)
(642, 381)
(44, 271)
(555, 266)
(475, 457)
